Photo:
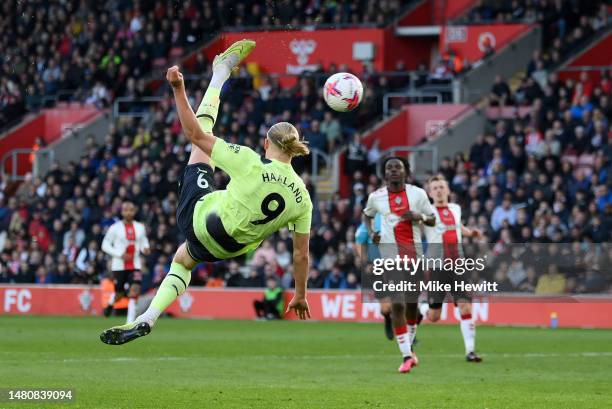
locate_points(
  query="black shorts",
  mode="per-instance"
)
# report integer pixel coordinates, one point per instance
(436, 298)
(123, 279)
(195, 182)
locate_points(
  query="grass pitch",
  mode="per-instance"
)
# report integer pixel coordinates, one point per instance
(242, 364)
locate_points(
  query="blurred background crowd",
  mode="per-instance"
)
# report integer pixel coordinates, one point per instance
(539, 178)
(94, 51)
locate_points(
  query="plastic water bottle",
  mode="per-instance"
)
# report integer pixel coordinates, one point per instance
(554, 320)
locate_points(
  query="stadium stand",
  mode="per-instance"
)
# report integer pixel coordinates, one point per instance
(95, 51)
(543, 177)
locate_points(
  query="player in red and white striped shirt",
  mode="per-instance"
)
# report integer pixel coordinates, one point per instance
(403, 208)
(444, 240)
(124, 242)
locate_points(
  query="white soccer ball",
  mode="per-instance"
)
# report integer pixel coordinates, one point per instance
(343, 92)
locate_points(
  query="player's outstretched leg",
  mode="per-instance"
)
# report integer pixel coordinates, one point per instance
(125, 333)
(175, 283)
(223, 64)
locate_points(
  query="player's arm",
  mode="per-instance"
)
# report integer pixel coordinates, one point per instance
(300, 274)
(368, 216)
(428, 219)
(108, 243)
(189, 122)
(367, 220)
(145, 247)
(424, 212)
(416, 216)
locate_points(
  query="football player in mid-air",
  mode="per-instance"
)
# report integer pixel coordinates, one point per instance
(444, 240)
(264, 195)
(403, 207)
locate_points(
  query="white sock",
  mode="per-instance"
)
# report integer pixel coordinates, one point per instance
(111, 299)
(468, 330)
(150, 315)
(222, 71)
(423, 308)
(403, 341)
(131, 310)
(220, 75)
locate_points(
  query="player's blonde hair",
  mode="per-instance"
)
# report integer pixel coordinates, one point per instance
(286, 138)
(438, 178)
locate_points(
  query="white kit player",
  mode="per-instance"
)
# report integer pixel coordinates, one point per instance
(125, 241)
(404, 208)
(444, 240)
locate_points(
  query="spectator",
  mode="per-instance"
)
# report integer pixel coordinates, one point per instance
(500, 92)
(316, 138)
(315, 279)
(330, 127)
(552, 282)
(265, 254)
(335, 279)
(283, 257)
(272, 304)
(504, 212)
(356, 155)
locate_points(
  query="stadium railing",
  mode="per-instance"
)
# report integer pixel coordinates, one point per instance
(137, 106)
(318, 157)
(410, 97)
(12, 158)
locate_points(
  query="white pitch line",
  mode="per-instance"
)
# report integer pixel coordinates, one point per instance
(321, 357)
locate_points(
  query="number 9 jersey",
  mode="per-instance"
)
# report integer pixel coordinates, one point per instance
(262, 197)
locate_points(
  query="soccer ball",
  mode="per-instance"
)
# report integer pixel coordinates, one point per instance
(343, 92)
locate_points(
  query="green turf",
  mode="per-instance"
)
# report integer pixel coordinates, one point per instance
(201, 364)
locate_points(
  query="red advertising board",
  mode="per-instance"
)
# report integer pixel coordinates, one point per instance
(597, 55)
(468, 42)
(72, 300)
(292, 52)
(295, 51)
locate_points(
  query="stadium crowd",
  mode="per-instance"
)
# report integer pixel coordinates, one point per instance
(51, 228)
(541, 178)
(94, 51)
(560, 20)
(544, 177)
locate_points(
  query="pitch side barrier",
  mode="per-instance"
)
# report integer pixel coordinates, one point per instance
(514, 309)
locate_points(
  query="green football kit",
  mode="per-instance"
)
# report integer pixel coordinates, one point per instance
(262, 197)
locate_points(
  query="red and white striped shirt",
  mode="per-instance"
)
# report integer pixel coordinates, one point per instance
(391, 206)
(445, 235)
(125, 239)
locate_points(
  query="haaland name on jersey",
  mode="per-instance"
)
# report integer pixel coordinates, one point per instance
(269, 177)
